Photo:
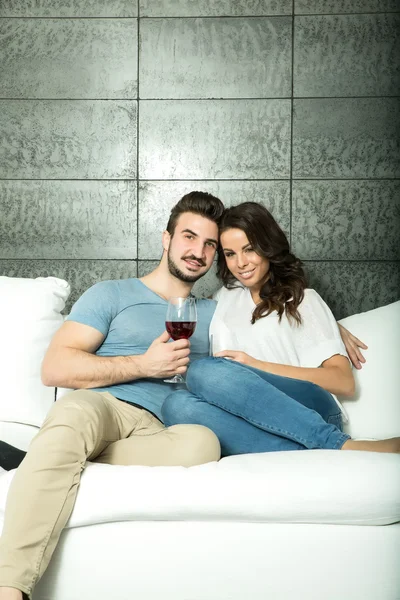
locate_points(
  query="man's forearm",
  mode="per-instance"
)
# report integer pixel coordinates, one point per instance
(71, 368)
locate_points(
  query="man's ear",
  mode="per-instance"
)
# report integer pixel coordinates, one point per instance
(166, 240)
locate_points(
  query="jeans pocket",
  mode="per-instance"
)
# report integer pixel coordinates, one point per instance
(336, 420)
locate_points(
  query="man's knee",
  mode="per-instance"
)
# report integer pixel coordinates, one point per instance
(77, 425)
(76, 409)
(198, 444)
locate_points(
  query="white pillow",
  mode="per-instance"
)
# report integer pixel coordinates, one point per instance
(374, 411)
(30, 314)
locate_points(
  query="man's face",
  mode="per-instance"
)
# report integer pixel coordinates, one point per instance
(191, 249)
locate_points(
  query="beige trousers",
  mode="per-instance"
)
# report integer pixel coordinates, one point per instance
(83, 425)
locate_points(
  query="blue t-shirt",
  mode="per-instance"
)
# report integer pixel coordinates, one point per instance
(131, 317)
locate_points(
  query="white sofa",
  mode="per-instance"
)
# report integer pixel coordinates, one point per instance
(317, 524)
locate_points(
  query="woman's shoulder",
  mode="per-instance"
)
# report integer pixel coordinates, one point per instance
(313, 306)
(311, 296)
(224, 293)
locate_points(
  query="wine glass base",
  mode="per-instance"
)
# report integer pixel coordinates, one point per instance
(175, 379)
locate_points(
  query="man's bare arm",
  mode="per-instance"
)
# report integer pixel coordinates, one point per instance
(70, 360)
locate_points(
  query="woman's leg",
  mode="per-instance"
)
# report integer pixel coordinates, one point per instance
(246, 393)
(308, 394)
(236, 435)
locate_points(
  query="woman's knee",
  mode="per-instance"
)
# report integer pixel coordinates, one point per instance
(177, 408)
(204, 372)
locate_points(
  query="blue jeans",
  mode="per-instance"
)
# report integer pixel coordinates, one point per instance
(255, 411)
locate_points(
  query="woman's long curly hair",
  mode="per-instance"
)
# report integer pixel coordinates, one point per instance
(283, 290)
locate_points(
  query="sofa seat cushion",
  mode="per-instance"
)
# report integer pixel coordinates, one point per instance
(315, 486)
(17, 434)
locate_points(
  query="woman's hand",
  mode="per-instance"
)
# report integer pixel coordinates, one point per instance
(353, 346)
(238, 356)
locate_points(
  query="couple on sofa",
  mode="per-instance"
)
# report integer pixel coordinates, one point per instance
(269, 387)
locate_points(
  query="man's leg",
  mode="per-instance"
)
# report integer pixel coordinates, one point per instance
(43, 491)
(153, 444)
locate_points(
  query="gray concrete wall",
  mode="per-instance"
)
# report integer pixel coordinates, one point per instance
(111, 111)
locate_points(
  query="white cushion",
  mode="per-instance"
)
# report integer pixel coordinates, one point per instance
(219, 560)
(30, 314)
(314, 486)
(17, 434)
(374, 411)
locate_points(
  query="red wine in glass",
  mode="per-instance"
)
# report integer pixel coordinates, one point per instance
(180, 330)
(180, 322)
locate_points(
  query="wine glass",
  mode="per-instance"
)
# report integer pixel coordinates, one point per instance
(180, 323)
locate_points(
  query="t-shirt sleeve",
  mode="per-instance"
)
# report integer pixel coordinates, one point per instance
(318, 337)
(97, 306)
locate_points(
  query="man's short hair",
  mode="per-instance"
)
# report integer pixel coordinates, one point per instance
(199, 203)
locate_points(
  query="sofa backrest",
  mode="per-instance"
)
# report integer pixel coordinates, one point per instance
(374, 412)
(30, 314)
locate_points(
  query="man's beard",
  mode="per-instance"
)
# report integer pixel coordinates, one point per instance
(176, 272)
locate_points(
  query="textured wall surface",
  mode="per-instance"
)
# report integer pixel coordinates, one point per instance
(111, 111)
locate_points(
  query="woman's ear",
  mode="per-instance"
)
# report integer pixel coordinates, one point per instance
(166, 240)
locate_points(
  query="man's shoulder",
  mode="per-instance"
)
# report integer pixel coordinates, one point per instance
(115, 284)
(206, 305)
(107, 292)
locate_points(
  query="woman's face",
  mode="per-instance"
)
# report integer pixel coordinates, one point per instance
(244, 263)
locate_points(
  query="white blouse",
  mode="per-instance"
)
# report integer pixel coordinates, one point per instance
(284, 342)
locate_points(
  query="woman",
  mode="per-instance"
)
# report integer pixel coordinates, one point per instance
(278, 355)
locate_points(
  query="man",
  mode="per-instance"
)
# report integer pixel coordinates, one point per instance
(114, 351)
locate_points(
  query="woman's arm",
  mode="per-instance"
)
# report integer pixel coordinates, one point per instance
(353, 345)
(334, 375)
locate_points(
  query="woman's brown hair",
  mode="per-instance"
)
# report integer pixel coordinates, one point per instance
(284, 289)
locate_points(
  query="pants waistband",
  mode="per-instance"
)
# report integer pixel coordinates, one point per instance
(140, 407)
